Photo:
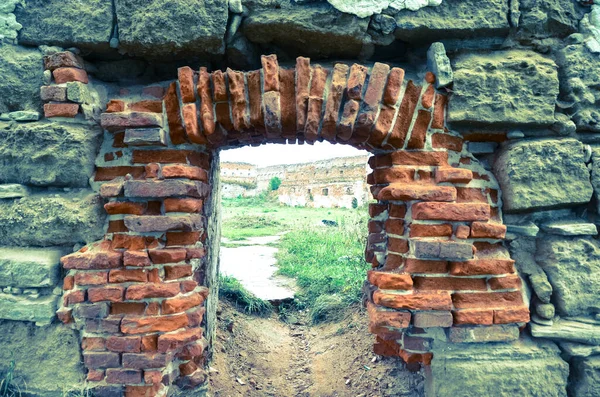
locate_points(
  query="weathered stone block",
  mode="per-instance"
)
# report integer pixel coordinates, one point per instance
(453, 19)
(66, 23)
(24, 308)
(580, 83)
(504, 87)
(586, 381)
(145, 137)
(523, 368)
(292, 25)
(22, 74)
(493, 333)
(47, 359)
(573, 268)
(13, 190)
(154, 28)
(549, 17)
(48, 154)
(566, 330)
(57, 219)
(543, 173)
(29, 267)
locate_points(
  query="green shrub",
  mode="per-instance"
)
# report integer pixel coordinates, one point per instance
(274, 183)
(232, 290)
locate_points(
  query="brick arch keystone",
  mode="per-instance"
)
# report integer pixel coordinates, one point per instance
(434, 239)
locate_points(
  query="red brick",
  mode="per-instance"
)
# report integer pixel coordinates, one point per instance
(392, 262)
(397, 211)
(418, 230)
(376, 209)
(121, 344)
(255, 98)
(427, 98)
(184, 171)
(237, 100)
(206, 104)
(473, 317)
(146, 105)
(100, 259)
(136, 258)
(334, 101)
(182, 238)
(67, 74)
(195, 316)
(176, 272)
(152, 377)
(463, 231)
(394, 226)
(371, 100)
(471, 195)
(60, 110)
(174, 340)
(425, 266)
(176, 130)
(393, 86)
(190, 122)
(53, 93)
(91, 278)
(454, 175)
(398, 245)
(188, 286)
(387, 318)
(432, 319)
(438, 113)
(419, 130)
(95, 375)
(195, 253)
(223, 115)
(356, 81)
(382, 126)
(117, 122)
(181, 304)
(390, 280)
(487, 300)
(414, 301)
(63, 59)
(142, 391)
(93, 343)
(155, 91)
(451, 211)
(414, 191)
(167, 255)
(143, 325)
(315, 102)
(188, 368)
(450, 283)
(511, 315)
(127, 275)
(375, 226)
(419, 158)
(68, 283)
(405, 115)
(110, 294)
(487, 230)
(128, 242)
(479, 136)
(386, 348)
(446, 141)
(115, 105)
(508, 282)
(346, 124)
(270, 73)
(152, 290)
(123, 376)
(185, 75)
(125, 207)
(93, 360)
(485, 266)
(129, 308)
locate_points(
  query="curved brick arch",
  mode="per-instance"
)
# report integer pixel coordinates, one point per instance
(435, 235)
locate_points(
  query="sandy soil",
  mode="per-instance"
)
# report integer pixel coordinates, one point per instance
(266, 357)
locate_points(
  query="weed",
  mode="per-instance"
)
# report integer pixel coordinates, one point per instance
(328, 308)
(9, 386)
(82, 390)
(232, 290)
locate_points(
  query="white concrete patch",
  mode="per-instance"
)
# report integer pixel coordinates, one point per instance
(366, 8)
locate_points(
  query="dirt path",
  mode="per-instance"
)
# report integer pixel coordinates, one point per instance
(266, 357)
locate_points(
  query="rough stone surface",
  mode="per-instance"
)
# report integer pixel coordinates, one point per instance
(543, 173)
(549, 17)
(366, 8)
(535, 369)
(596, 175)
(439, 64)
(52, 219)
(566, 330)
(570, 228)
(504, 87)
(13, 190)
(47, 359)
(22, 74)
(586, 382)
(25, 308)
(292, 26)
(30, 267)
(453, 19)
(580, 85)
(154, 28)
(66, 23)
(573, 268)
(48, 154)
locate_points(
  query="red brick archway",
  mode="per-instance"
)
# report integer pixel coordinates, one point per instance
(435, 237)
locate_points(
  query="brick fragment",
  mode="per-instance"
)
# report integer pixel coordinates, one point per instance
(95, 360)
(206, 104)
(493, 300)
(63, 59)
(409, 192)
(346, 124)
(473, 317)
(414, 301)
(419, 230)
(449, 284)
(405, 115)
(53, 93)
(143, 325)
(124, 207)
(356, 81)
(102, 294)
(68, 74)
(162, 188)
(511, 315)
(395, 281)
(182, 238)
(147, 105)
(255, 100)
(487, 230)
(315, 102)
(393, 86)
(427, 98)
(454, 175)
(190, 121)
(185, 76)
(447, 141)
(176, 130)
(173, 255)
(303, 72)
(155, 290)
(270, 73)
(91, 278)
(439, 111)
(110, 173)
(508, 282)
(371, 100)
(127, 308)
(60, 110)
(127, 275)
(425, 266)
(184, 171)
(124, 344)
(219, 86)
(174, 340)
(183, 205)
(451, 211)
(482, 266)
(113, 106)
(177, 272)
(334, 101)
(432, 319)
(119, 121)
(419, 158)
(123, 376)
(419, 131)
(136, 258)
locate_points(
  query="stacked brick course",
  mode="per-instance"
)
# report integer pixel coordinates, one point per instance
(435, 237)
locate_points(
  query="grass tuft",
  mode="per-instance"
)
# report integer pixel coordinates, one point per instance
(233, 291)
(9, 386)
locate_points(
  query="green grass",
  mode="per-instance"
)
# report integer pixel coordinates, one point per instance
(9, 386)
(327, 263)
(233, 291)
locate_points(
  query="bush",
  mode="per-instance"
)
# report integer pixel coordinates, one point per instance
(232, 290)
(274, 183)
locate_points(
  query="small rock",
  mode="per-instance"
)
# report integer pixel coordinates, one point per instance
(439, 64)
(545, 310)
(20, 115)
(235, 6)
(13, 190)
(78, 92)
(482, 147)
(515, 135)
(541, 286)
(541, 321)
(529, 229)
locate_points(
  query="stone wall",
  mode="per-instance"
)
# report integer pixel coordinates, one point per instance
(486, 212)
